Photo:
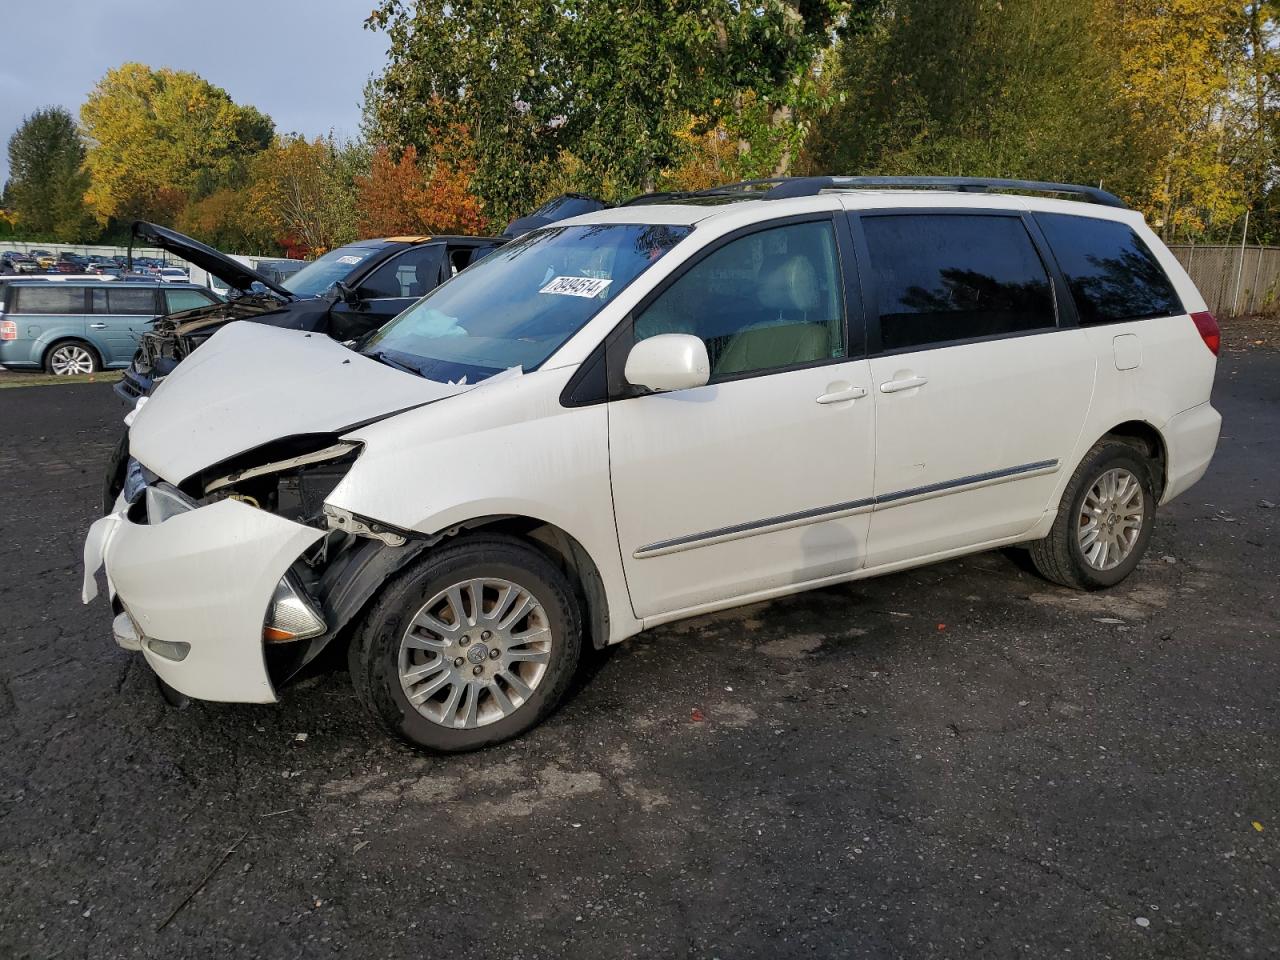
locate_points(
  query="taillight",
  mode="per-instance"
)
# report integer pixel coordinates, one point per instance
(1207, 324)
(8, 330)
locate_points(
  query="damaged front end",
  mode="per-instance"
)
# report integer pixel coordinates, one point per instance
(230, 583)
(171, 339)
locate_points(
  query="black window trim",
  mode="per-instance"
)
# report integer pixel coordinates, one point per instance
(590, 385)
(1063, 306)
(1070, 296)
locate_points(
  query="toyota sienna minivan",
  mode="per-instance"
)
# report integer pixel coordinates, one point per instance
(653, 412)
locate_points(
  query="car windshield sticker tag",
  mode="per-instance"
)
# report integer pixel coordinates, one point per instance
(576, 286)
(348, 259)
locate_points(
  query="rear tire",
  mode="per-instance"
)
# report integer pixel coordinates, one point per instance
(68, 358)
(1104, 521)
(455, 681)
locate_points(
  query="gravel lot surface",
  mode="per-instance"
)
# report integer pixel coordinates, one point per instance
(957, 760)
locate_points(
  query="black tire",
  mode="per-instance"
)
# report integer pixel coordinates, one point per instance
(1059, 556)
(375, 649)
(95, 362)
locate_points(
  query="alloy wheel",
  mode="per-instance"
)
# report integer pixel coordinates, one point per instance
(71, 359)
(1110, 520)
(475, 652)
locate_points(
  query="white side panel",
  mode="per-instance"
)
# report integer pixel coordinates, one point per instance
(739, 454)
(986, 407)
(506, 448)
(205, 578)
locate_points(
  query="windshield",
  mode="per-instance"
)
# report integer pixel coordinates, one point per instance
(315, 278)
(517, 306)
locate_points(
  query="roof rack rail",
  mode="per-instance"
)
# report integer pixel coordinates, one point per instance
(787, 187)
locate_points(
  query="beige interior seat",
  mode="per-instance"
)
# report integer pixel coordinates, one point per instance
(791, 290)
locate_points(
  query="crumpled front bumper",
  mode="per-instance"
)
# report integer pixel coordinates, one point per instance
(203, 579)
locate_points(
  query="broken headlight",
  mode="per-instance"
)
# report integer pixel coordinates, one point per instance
(292, 486)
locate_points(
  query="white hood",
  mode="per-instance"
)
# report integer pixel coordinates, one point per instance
(250, 384)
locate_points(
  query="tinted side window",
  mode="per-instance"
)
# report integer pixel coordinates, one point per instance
(51, 298)
(185, 300)
(414, 273)
(1111, 273)
(768, 300)
(132, 301)
(945, 277)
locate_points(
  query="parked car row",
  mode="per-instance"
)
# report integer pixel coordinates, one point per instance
(36, 262)
(83, 326)
(639, 415)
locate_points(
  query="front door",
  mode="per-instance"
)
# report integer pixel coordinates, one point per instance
(760, 480)
(980, 394)
(389, 290)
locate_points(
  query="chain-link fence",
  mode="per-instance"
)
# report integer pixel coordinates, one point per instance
(1233, 280)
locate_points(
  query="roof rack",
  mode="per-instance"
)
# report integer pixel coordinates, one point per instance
(787, 187)
(783, 188)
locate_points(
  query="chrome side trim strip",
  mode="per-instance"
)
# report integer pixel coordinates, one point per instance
(836, 511)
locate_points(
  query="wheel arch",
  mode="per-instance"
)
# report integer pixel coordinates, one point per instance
(562, 549)
(1147, 439)
(352, 583)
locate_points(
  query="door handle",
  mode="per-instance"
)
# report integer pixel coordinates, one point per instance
(97, 326)
(844, 393)
(907, 383)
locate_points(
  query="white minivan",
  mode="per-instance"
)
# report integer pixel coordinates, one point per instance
(678, 405)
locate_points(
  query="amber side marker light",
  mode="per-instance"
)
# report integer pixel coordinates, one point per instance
(291, 615)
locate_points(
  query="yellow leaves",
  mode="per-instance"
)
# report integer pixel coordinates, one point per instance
(156, 136)
(1173, 63)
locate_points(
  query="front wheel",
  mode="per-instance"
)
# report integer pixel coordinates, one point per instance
(469, 647)
(1104, 521)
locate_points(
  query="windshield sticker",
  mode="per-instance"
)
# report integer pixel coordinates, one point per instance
(349, 259)
(576, 286)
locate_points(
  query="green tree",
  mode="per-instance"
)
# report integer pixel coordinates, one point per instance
(48, 181)
(606, 91)
(161, 138)
(1013, 88)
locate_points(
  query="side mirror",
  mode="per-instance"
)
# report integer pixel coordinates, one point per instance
(345, 293)
(670, 361)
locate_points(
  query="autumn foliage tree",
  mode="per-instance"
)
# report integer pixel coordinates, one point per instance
(159, 139)
(419, 195)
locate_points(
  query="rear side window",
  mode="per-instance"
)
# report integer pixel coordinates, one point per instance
(947, 277)
(1112, 274)
(132, 301)
(48, 299)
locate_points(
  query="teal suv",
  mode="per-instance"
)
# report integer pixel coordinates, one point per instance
(69, 327)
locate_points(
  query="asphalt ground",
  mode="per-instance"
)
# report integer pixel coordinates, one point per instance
(960, 760)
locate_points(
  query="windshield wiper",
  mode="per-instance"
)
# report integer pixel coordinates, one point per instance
(383, 357)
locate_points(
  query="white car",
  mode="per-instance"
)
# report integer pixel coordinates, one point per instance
(649, 413)
(173, 275)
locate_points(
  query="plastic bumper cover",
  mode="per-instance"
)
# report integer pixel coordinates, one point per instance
(198, 585)
(1191, 438)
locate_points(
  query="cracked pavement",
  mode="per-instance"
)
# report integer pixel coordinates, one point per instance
(959, 759)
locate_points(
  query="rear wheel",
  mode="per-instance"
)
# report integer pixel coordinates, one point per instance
(1104, 521)
(469, 647)
(71, 358)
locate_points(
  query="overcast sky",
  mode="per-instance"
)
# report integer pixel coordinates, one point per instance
(303, 62)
